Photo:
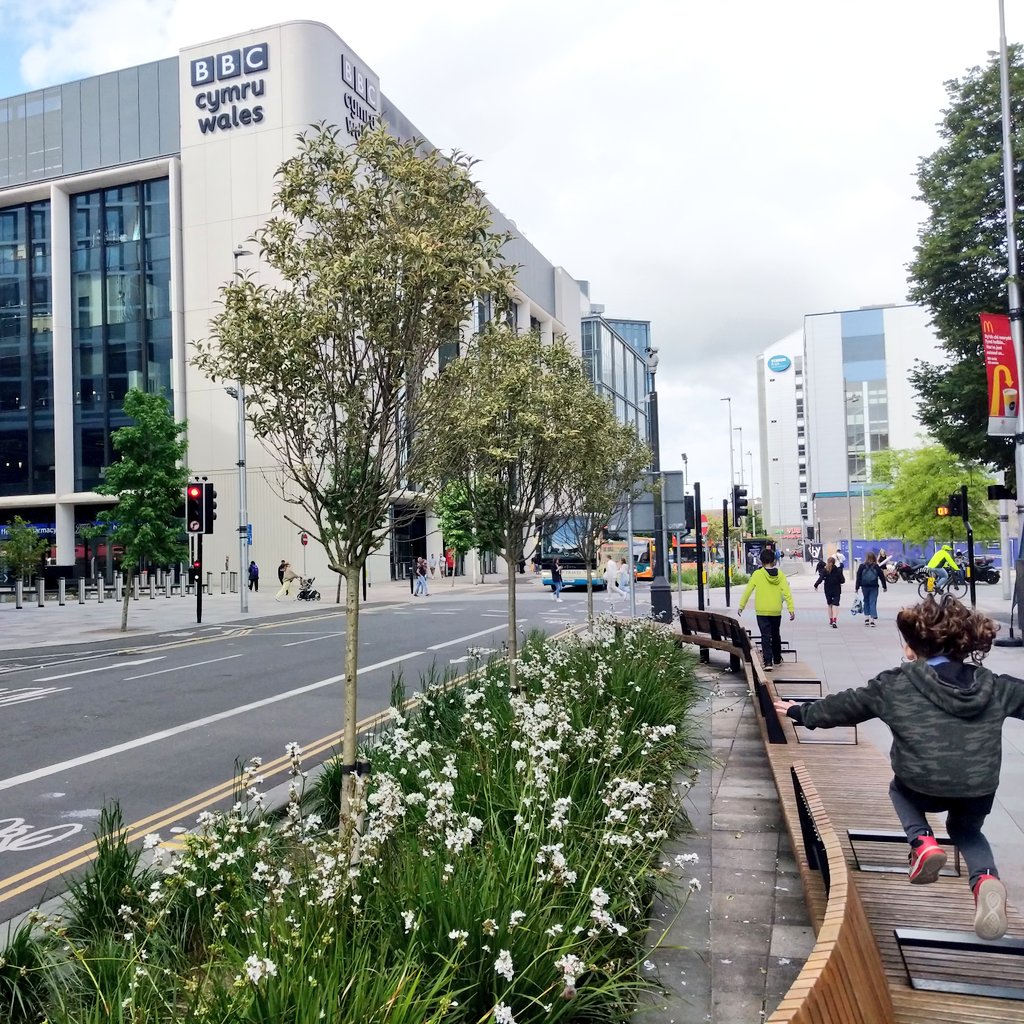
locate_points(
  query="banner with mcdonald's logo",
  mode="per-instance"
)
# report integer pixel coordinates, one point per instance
(1001, 371)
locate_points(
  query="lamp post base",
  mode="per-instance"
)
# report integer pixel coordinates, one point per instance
(661, 600)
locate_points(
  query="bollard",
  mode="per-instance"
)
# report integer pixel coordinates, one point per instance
(118, 583)
(81, 590)
(222, 575)
(135, 588)
(209, 583)
(168, 584)
(101, 589)
(40, 592)
(152, 588)
(61, 592)
(18, 593)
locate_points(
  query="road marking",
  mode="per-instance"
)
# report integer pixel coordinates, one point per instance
(181, 668)
(177, 730)
(26, 694)
(98, 668)
(312, 640)
(463, 639)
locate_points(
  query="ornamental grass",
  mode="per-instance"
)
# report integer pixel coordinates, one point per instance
(508, 854)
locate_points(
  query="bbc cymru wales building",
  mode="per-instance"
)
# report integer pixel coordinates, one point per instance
(123, 198)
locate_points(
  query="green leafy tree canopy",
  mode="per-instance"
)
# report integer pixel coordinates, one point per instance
(917, 482)
(960, 265)
(23, 549)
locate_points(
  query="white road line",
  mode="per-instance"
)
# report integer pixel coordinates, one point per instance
(99, 668)
(463, 639)
(25, 695)
(181, 668)
(312, 640)
(199, 723)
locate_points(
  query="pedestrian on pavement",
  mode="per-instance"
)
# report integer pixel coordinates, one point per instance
(433, 564)
(422, 586)
(840, 558)
(770, 588)
(869, 579)
(556, 579)
(288, 577)
(611, 581)
(946, 717)
(833, 580)
(280, 571)
(449, 559)
(254, 576)
(625, 578)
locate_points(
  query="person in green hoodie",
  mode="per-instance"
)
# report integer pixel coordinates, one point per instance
(946, 718)
(770, 587)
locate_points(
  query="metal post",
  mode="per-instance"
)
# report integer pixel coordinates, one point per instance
(970, 545)
(243, 514)
(61, 592)
(40, 592)
(849, 478)
(19, 591)
(661, 592)
(732, 468)
(679, 564)
(629, 542)
(199, 578)
(101, 589)
(725, 542)
(700, 547)
(1014, 300)
(81, 590)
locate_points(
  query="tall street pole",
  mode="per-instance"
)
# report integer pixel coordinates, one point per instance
(1013, 283)
(243, 514)
(849, 475)
(753, 498)
(661, 592)
(732, 468)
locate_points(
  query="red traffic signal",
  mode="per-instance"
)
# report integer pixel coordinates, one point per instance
(195, 515)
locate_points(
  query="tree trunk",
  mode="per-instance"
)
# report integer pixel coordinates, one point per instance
(513, 644)
(124, 603)
(348, 746)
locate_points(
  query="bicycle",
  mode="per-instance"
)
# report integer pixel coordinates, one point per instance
(956, 584)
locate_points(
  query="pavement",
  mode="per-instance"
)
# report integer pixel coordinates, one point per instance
(725, 952)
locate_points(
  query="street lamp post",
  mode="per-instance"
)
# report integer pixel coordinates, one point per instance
(243, 514)
(753, 499)
(849, 475)
(661, 592)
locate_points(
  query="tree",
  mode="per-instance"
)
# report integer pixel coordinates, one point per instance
(23, 549)
(508, 415)
(602, 474)
(380, 250)
(919, 481)
(960, 266)
(148, 481)
(457, 520)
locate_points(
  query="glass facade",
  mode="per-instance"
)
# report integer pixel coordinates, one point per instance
(120, 311)
(616, 370)
(636, 333)
(866, 398)
(26, 351)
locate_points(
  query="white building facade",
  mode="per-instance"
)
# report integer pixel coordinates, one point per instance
(853, 399)
(122, 201)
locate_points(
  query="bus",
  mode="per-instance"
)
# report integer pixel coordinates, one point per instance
(558, 538)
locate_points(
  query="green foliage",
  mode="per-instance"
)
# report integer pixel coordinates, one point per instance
(148, 480)
(525, 831)
(960, 266)
(24, 549)
(915, 483)
(455, 517)
(23, 976)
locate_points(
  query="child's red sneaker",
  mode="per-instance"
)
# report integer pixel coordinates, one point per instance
(927, 859)
(990, 904)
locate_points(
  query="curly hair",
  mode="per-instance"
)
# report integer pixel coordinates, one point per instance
(945, 626)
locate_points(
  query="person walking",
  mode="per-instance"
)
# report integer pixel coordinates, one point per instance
(869, 578)
(833, 579)
(254, 576)
(449, 561)
(946, 717)
(840, 558)
(288, 576)
(422, 588)
(624, 578)
(280, 571)
(770, 588)
(556, 579)
(433, 564)
(611, 581)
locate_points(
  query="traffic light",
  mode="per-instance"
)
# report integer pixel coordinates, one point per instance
(689, 514)
(1000, 492)
(209, 507)
(956, 505)
(942, 510)
(194, 571)
(739, 504)
(195, 511)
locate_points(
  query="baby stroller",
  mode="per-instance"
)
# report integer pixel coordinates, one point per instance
(306, 591)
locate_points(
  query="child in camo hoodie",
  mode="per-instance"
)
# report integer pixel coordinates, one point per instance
(946, 718)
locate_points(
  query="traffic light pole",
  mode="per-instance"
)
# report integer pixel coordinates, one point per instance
(725, 544)
(700, 549)
(970, 545)
(199, 578)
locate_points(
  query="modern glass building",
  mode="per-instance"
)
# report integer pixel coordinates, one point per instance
(122, 200)
(617, 369)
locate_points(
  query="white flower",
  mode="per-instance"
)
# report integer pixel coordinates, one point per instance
(258, 968)
(571, 967)
(599, 897)
(516, 917)
(457, 935)
(410, 919)
(153, 839)
(685, 858)
(503, 1015)
(503, 965)
(694, 885)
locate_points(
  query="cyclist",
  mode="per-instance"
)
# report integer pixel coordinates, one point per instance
(940, 563)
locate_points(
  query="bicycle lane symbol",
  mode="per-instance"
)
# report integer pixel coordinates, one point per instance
(16, 835)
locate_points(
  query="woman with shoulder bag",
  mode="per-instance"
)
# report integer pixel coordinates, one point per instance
(869, 578)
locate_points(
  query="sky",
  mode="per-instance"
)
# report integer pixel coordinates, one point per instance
(720, 169)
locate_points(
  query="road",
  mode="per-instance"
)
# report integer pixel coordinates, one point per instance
(159, 725)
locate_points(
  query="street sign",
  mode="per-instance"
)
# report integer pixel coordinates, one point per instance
(304, 539)
(703, 524)
(248, 532)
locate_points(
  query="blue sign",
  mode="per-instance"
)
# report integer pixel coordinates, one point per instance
(778, 364)
(249, 531)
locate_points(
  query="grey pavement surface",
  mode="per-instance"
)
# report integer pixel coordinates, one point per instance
(728, 951)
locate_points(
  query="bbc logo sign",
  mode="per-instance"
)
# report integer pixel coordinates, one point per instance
(230, 64)
(358, 82)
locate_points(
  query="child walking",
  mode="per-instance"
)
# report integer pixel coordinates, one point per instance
(770, 588)
(833, 579)
(946, 716)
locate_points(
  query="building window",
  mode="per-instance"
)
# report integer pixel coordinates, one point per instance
(120, 311)
(26, 351)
